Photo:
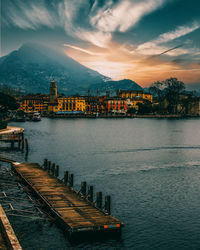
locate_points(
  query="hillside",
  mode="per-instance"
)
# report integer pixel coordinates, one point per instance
(33, 66)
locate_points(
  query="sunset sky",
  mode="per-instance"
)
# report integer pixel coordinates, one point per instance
(143, 40)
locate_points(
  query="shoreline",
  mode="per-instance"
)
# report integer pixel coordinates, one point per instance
(93, 116)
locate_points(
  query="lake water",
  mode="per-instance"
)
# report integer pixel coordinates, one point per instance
(150, 167)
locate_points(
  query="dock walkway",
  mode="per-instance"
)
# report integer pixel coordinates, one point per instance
(75, 213)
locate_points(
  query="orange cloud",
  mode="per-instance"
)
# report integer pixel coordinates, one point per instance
(118, 62)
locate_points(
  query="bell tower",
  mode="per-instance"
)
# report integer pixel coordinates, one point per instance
(53, 91)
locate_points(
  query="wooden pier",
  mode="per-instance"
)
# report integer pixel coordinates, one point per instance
(73, 211)
(13, 135)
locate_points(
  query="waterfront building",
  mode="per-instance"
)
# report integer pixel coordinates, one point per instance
(133, 103)
(33, 103)
(134, 94)
(95, 104)
(52, 106)
(64, 103)
(116, 105)
(67, 103)
(53, 103)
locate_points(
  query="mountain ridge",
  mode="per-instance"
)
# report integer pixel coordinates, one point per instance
(33, 66)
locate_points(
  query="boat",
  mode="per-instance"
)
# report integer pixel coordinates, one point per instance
(36, 117)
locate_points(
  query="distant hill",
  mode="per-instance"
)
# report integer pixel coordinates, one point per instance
(33, 66)
(112, 86)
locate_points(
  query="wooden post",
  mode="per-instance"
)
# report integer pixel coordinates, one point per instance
(53, 167)
(45, 164)
(83, 188)
(57, 171)
(107, 203)
(49, 166)
(99, 199)
(66, 175)
(71, 180)
(12, 145)
(26, 144)
(90, 193)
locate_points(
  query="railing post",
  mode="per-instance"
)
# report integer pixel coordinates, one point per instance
(71, 180)
(107, 203)
(49, 166)
(45, 164)
(66, 175)
(99, 199)
(83, 188)
(53, 167)
(90, 193)
(57, 171)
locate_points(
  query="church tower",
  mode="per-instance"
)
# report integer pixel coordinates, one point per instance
(53, 91)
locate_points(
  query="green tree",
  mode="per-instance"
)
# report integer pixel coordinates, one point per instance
(7, 102)
(156, 90)
(173, 89)
(145, 108)
(168, 93)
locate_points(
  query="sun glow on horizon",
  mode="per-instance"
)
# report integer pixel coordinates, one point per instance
(118, 62)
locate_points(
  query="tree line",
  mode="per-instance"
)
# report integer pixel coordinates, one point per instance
(169, 97)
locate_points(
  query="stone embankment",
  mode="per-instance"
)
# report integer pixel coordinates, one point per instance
(118, 116)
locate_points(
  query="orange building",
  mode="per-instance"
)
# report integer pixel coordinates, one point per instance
(116, 105)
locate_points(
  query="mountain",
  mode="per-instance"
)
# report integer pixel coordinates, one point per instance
(193, 87)
(33, 66)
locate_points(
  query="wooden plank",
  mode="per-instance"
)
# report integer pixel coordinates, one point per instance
(8, 232)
